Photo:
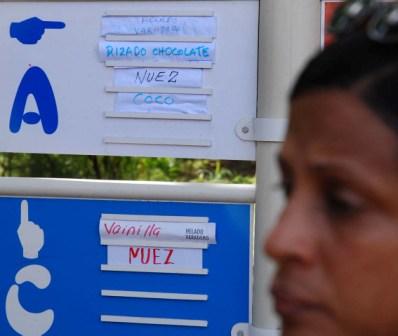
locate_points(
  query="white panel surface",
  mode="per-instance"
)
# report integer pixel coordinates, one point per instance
(70, 59)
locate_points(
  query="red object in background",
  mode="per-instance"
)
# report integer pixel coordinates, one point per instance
(328, 11)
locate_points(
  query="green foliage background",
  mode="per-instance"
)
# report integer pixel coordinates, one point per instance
(126, 168)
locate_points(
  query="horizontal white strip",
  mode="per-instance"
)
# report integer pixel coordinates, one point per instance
(161, 103)
(157, 38)
(193, 245)
(154, 295)
(158, 141)
(171, 90)
(157, 51)
(145, 64)
(154, 115)
(145, 218)
(127, 230)
(156, 257)
(133, 190)
(159, 26)
(153, 320)
(157, 13)
(158, 77)
(143, 269)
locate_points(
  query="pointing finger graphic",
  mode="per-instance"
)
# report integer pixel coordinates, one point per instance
(53, 25)
(31, 30)
(30, 235)
(24, 212)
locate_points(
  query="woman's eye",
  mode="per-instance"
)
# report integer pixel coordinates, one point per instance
(286, 186)
(343, 203)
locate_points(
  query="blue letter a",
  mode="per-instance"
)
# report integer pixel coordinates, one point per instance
(35, 82)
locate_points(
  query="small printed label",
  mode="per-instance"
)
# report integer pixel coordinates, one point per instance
(158, 77)
(122, 231)
(157, 51)
(155, 256)
(159, 25)
(161, 102)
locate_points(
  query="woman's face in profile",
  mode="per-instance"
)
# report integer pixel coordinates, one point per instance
(336, 242)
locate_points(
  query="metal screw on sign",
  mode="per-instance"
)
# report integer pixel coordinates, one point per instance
(240, 332)
(245, 130)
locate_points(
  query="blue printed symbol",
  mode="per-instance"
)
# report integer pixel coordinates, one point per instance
(31, 30)
(36, 83)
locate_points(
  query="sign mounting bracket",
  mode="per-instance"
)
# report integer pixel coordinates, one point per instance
(261, 129)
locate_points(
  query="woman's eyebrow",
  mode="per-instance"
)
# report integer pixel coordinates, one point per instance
(351, 172)
(333, 167)
(321, 166)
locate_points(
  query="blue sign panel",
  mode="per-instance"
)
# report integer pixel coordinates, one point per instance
(52, 282)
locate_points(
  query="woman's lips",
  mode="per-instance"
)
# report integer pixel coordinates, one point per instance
(291, 304)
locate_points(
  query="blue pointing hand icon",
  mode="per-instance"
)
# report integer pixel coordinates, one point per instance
(31, 30)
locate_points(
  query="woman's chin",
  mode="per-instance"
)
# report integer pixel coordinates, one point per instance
(304, 329)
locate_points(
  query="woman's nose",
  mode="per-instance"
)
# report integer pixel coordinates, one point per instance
(294, 236)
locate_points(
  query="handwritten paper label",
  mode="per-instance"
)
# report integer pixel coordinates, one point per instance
(155, 256)
(125, 231)
(159, 25)
(158, 103)
(159, 77)
(157, 51)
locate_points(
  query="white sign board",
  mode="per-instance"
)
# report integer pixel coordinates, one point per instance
(137, 78)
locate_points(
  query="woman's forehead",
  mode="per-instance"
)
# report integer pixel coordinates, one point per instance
(337, 124)
(334, 111)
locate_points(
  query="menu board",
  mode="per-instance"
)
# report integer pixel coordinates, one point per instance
(136, 78)
(111, 267)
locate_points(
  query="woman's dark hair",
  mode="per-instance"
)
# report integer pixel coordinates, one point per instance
(367, 68)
